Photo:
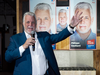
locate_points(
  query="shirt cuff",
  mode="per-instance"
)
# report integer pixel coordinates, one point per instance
(70, 29)
(21, 50)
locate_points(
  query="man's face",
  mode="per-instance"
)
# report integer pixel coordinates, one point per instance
(85, 24)
(29, 24)
(43, 20)
(62, 18)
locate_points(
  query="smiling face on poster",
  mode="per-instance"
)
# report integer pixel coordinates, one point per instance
(44, 19)
(62, 18)
(45, 14)
(85, 36)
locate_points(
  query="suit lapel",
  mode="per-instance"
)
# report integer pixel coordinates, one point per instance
(42, 43)
(23, 38)
(27, 51)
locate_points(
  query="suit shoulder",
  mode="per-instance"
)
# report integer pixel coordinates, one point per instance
(16, 35)
(43, 33)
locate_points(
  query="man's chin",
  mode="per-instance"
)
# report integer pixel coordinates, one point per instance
(62, 23)
(41, 30)
(85, 31)
(29, 32)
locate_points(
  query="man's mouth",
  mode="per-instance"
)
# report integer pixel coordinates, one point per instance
(82, 27)
(30, 29)
(42, 27)
(62, 21)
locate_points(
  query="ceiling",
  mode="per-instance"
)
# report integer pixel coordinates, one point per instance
(7, 7)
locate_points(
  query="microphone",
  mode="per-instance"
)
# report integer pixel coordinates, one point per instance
(33, 35)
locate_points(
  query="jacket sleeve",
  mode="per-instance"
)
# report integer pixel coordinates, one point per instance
(12, 51)
(60, 36)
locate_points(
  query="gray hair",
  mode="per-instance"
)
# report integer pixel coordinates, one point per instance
(84, 5)
(29, 13)
(63, 11)
(43, 6)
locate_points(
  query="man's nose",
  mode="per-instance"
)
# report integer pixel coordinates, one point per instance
(30, 24)
(42, 22)
(62, 18)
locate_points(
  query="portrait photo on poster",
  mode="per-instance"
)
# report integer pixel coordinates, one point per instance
(85, 33)
(45, 19)
(62, 18)
(45, 15)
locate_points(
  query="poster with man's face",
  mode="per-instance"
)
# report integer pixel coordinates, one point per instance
(45, 14)
(62, 18)
(85, 33)
(54, 15)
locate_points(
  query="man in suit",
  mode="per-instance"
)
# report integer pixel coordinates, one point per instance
(42, 60)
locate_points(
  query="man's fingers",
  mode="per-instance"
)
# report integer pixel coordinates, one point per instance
(79, 21)
(79, 16)
(76, 13)
(33, 38)
(33, 41)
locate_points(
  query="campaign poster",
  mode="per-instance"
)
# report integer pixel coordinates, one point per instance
(86, 31)
(62, 18)
(62, 21)
(98, 16)
(45, 15)
(62, 15)
(45, 19)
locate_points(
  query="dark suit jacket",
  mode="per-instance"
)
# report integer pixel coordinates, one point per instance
(23, 64)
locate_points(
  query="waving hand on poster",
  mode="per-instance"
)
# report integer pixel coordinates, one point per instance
(76, 19)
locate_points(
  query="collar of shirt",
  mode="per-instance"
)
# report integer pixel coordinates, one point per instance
(27, 35)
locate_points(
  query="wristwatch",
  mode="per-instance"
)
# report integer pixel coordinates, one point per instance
(71, 26)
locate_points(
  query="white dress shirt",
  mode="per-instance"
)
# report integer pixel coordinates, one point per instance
(39, 61)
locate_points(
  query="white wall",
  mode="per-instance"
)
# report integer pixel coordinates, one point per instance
(78, 58)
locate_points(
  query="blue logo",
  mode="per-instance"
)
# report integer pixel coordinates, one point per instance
(52, 0)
